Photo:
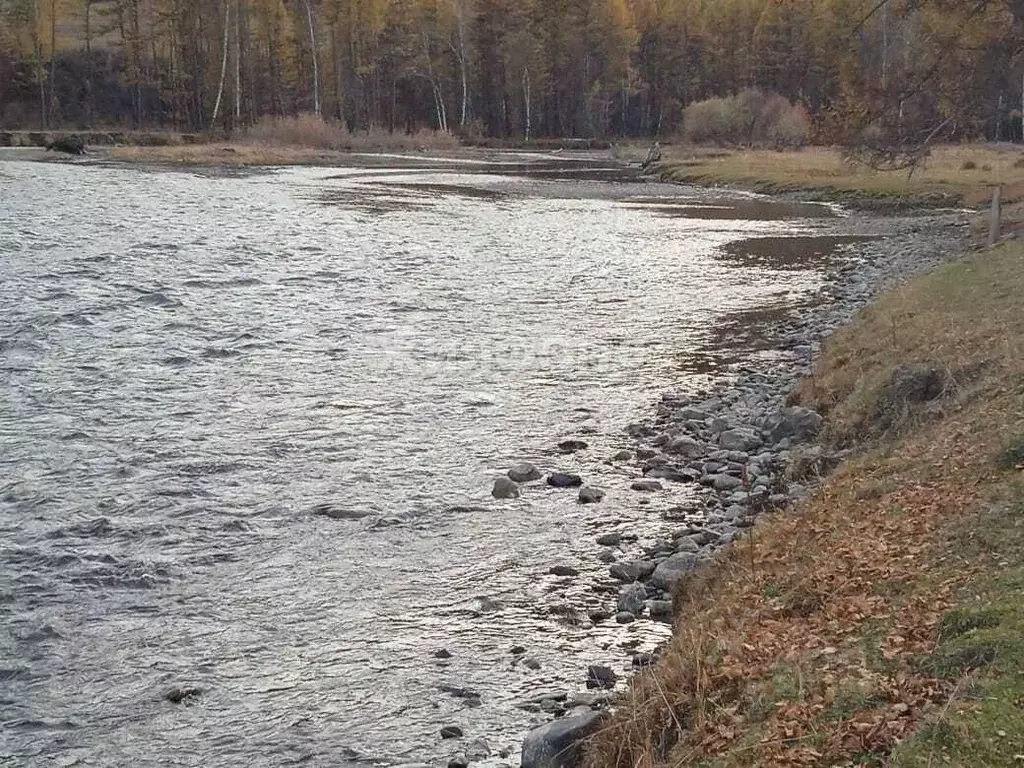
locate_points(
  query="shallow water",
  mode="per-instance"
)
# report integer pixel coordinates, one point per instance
(197, 365)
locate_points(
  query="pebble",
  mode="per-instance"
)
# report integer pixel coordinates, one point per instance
(451, 732)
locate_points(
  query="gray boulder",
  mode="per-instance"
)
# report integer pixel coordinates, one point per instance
(623, 456)
(739, 440)
(524, 473)
(624, 617)
(631, 599)
(685, 446)
(670, 571)
(726, 483)
(505, 488)
(590, 495)
(796, 423)
(630, 572)
(556, 745)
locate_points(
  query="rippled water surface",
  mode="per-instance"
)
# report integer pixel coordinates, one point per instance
(197, 366)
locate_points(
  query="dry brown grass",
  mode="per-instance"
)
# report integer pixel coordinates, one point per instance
(302, 140)
(947, 176)
(804, 644)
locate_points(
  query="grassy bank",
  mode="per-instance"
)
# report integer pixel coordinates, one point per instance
(883, 621)
(951, 175)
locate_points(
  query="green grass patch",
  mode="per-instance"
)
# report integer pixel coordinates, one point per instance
(982, 649)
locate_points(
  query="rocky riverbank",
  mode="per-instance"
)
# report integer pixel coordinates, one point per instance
(735, 451)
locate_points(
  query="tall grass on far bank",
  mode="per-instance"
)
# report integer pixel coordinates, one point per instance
(883, 620)
(314, 132)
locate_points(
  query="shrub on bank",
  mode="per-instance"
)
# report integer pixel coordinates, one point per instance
(752, 118)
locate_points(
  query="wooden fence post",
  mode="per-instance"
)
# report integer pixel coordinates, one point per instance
(994, 216)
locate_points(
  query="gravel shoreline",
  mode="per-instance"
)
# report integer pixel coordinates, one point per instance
(740, 445)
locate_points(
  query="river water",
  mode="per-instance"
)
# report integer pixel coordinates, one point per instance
(197, 365)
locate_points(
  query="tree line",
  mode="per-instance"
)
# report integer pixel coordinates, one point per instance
(511, 68)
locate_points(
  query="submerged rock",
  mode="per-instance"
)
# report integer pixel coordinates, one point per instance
(555, 745)
(505, 488)
(182, 693)
(590, 495)
(563, 570)
(451, 732)
(524, 473)
(571, 446)
(609, 539)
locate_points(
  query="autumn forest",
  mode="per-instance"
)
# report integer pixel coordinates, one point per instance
(512, 68)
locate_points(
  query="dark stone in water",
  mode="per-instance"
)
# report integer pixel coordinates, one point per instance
(599, 615)
(590, 495)
(642, 660)
(564, 480)
(458, 760)
(601, 677)
(340, 513)
(451, 732)
(183, 693)
(518, 650)
(459, 692)
(531, 663)
(563, 570)
(609, 539)
(686, 475)
(646, 486)
(442, 653)
(571, 446)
